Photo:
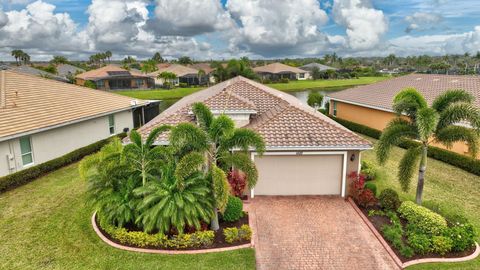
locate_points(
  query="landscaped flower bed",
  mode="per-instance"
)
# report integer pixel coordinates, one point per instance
(413, 231)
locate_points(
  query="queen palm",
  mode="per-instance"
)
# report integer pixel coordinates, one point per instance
(443, 122)
(223, 137)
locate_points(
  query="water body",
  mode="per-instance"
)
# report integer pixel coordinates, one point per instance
(301, 95)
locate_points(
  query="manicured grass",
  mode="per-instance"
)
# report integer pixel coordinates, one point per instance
(456, 190)
(310, 84)
(176, 93)
(46, 225)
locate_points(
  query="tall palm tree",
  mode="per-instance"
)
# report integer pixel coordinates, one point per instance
(439, 123)
(223, 137)
(17, 54)
(25, 58)
(200, 74)
(108, 55)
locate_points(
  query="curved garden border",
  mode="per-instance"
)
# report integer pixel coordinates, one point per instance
(412, 262)
(160, 251)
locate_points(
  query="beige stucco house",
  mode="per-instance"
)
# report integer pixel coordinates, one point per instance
(277, 71)
(307, 153)
(42, 119)
(113, 77)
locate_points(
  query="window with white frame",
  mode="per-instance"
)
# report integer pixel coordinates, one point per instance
(26, 150)
(111, 124)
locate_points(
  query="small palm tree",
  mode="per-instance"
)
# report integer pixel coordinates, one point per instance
(17, 54)
(167, 77)
(223, 137)
(440, 123)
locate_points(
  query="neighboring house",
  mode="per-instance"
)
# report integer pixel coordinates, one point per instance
(277, 71)
(68, 71)
(42, 119)
(37, 72)
(113, 77)
(311, 66)
(371, 105)
(184, 74)
(206, 68)
(307, 153)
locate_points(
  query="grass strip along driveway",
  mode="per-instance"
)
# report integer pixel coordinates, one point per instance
(46, 225)
(454, 189)
(177, 93)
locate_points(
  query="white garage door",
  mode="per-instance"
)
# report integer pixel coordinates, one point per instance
(299, 175)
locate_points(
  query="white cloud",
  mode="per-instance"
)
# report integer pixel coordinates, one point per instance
(190, 17)
(365, 24)
(422, 21)
(270, 27)
(3, 18)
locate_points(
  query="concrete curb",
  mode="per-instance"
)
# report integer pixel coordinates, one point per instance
(159, 251)
(412, 262)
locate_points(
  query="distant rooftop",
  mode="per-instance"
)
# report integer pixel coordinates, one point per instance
(277, 68)
(320, 67)
(106, 72)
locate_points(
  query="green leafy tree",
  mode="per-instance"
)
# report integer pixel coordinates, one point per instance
(90, 84)
(158, 58)
(108, 55)
(149, 66)
(222, 138)
(316, 74)
(315, 100)
(57, 60)
(438, 123)
(185, 60)
(168, 78)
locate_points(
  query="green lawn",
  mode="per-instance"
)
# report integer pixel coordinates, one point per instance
(46, 225)
(455, 190)
(176, 93)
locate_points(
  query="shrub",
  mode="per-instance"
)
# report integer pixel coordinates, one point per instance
(90, 84)
(462, 236)
(420, 243)
(371, 186)
(234, 209)
(422, 218)
(237, 181)
(24, 176)
(266, 81)
(453, 215)
(407, 251)
(393, 233)
(389, 199)
(235, 234)
(183, 85)
(372, 213)
(441, 244)
(369, 170)
(284, 80)
(362, 196)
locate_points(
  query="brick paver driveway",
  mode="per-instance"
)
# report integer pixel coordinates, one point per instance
(314, 232)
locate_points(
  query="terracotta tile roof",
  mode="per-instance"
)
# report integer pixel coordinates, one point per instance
(203, 66)
(229, 101)
(282, 120)
(381, 94)
(179, 70)
(107, 71)
(278, 68)
(29, 103)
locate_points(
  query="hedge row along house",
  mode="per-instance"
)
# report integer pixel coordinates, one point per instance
(371, 105)
(307, 153)
(113, 77)
(43, 119)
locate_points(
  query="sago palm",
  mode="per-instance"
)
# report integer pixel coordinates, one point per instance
(223, 138)
(445, 122)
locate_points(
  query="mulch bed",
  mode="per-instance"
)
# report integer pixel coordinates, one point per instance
(379, 221)
(218, 242)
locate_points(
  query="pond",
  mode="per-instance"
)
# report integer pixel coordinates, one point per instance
(302, 95)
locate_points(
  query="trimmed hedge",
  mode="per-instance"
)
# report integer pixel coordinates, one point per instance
(27, 175)
(424, 219)
(463, 162)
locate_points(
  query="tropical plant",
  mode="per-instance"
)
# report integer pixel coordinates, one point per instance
(315, 100)
(222, 138)
(108, 55)
(17, 54)
(158, 58)
(149, 66)
(185, 60)
(59, 60)
(443, 122)
(90, 84)
(167, 77)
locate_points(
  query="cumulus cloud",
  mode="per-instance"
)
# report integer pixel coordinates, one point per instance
(270, 27)
(191, 17)
(365, 25)
(3, 18)
(422, 21)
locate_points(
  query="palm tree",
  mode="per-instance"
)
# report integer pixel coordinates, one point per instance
(157, 57)
(201, 73)
(108, 55)
(426, 125)
(168, 77)
(17, 54)
(149, 66)
(25, 58)
(223, 137)
(59, 60)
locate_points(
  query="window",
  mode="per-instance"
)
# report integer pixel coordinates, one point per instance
(139, 82)
(301, 75)
(334, 108)
(100, 84)
(26, 151)
(111, 124)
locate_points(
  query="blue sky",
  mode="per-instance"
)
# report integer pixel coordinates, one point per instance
(349, 27)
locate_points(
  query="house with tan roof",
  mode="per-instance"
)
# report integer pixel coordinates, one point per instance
(187, 75)
(371, 105)
(43, 119)
(113, 77)
(307, 153)
(278, 71)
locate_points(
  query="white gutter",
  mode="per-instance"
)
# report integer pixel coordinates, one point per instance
(361, 105)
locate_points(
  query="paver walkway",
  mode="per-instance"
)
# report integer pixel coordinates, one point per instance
(314, 232)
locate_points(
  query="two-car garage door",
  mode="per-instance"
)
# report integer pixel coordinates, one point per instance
(291, 174)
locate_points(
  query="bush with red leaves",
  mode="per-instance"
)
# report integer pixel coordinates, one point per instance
(238, 182)
(361, 195)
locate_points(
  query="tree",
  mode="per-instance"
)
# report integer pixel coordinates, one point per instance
(90, 84)
(17, 54)
(149, 66)
(168, 78)
(108, 55)
(158, 58)
(222, 138)
(185, 60)
(316, 74)
(201, 73)
(57, 60)
(25, 58)
(426, 125)
(315, 100)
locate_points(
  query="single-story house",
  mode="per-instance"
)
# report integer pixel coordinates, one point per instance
(307, 153)
(310, 67)
(206, 67)
(277, 71)
(68, 71)
(371, 105)
(113, 77)
(184, 74)
(43, 119)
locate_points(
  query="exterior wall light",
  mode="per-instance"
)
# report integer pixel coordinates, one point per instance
(352, 157)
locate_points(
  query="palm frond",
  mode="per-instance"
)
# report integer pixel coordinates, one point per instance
(155, 133)
(188, 164)
(451, 134)
(408, 101)
(396, 130)
(136, 138)
(221, 127)
(186, 137)
(203, 114)
(244, 139)
(449, 97)
(408, 164)
(221, 187)
(427, 120)
(458, 113)
(242, 162)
